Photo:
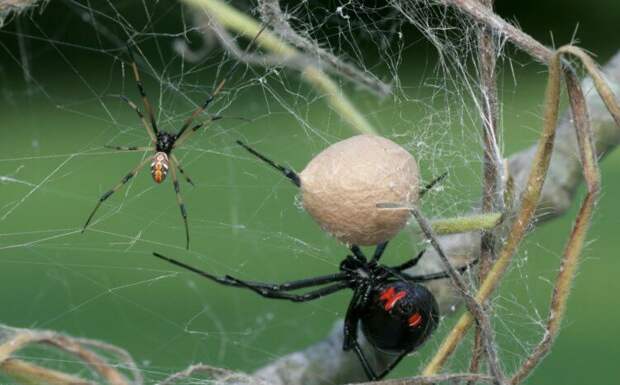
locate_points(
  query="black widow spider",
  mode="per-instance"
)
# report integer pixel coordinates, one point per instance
(396, 312)
(162, 142)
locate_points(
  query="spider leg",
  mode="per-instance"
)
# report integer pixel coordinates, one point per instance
(145, 123)
(219, 87)
(187, 178)
(379, 250)
(286, 286)
(145, 99)
(429, 186)
(183, 135)
(177, 190)
(200, 109)
(302, 283)
(410, 263)
(392, 365)
(358, 253)
(439, 275)
(277, 294)
(114, 189)
(290, 174)
(351, 322)
(129, 148)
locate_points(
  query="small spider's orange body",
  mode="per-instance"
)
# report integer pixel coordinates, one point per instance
(159, 167)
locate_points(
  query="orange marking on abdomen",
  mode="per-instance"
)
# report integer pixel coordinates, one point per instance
(159, 167)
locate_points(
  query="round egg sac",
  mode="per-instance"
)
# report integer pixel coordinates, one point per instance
(343, 184)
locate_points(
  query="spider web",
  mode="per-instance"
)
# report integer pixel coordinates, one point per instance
(60, 75)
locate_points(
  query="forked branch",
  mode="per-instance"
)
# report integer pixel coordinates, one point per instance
(228, 17)
(574, 246)
(531, 195)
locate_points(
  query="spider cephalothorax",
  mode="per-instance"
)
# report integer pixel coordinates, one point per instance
(165, 142)
(396, 312)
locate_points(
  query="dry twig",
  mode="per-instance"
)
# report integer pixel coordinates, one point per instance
(15, 7)
(475, 308)
(216, 375)
(492, 188)
(13, 340)
(529, 200)
(272, 15)
(574, 246)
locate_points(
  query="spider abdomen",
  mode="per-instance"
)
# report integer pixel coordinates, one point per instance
(400, 317)
(159, 167)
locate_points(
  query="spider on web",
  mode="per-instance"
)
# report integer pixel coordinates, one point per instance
(396, 312)
(163, 143)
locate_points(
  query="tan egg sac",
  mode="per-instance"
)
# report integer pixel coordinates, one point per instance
(342, 185)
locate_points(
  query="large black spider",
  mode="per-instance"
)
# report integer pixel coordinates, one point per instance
(396, 312)
(163, 143)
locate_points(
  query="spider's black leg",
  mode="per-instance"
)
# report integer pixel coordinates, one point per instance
(351, 322)
(290, 174)
(187, 178)
(182, 136)
(286, 286)
(129, 148)
(219, 87)
(410, 263)
(200, 109)
(432, 184)
(379, 250)
(114, 189)
(177, 190)
(145, 123)
(277, 294)
(145, 99)
(392, 365)
(434, 276)
(302, 283)
(358, 253)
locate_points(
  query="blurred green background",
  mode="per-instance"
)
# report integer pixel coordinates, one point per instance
(58, 70)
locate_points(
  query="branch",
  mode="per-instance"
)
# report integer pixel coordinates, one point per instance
(530, 195)
(574, 246)
(475, 308)
(10, 8)
(230, 18)
(495, 23)
(28, 373)
(13, 340)
(272, 15)
(432, 380)
(493, 182)
(216, 375)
